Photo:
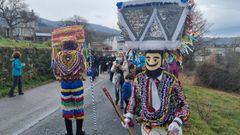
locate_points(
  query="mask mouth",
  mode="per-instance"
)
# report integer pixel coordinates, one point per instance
(152, 65)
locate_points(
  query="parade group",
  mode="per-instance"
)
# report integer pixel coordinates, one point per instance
(158, 33)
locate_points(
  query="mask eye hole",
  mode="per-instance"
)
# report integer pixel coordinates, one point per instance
(148, 59)
(155, 60)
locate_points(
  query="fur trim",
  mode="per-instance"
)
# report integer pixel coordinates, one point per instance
(154, 45)
(140, 2)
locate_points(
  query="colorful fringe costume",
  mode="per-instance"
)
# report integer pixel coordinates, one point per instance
(72, 99)
(164, 29)
(173, 102)
(69, 69)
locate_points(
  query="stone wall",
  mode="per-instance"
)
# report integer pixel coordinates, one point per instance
(37, 60)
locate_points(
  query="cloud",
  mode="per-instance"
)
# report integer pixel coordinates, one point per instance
(221, 13)
(95, 11)
(224, 15)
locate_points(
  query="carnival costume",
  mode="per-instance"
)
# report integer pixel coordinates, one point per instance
(162, 28)
(69, 70)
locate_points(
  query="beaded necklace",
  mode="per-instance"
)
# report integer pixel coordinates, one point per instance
(165, 89)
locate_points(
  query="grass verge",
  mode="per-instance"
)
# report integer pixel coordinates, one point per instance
(212, 112)
(27, 84)
(15, 43)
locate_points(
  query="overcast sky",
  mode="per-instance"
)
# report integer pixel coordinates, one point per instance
(223, 14)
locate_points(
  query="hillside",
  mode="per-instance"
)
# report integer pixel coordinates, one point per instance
(221, 41)
(212, 112)
(15, 43)
(48, 25)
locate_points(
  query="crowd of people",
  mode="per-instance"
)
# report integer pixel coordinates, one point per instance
(122, 69)
(156, 96)
(122, 72)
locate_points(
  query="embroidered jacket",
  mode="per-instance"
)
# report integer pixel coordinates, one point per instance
(173, 103)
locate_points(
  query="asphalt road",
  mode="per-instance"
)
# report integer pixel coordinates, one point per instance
(19, 113)
(53, 124)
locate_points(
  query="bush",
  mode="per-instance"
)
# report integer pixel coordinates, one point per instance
(214, 76)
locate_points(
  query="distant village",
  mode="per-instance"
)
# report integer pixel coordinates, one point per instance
(40, 31)
(210, 47)
(30, 31)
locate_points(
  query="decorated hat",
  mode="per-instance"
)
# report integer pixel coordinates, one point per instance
(157, 24)
(70, 33)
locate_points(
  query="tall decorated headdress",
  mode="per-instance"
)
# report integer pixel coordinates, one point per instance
(157, 25)
(68, 64)
(70, 33)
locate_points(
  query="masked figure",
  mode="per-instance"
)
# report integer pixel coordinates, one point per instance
(69, 69)
(157, 27)
(159, 97)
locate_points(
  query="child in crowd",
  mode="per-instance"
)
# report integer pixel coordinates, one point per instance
(127, 90)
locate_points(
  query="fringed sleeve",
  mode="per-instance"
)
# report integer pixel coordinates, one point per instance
(182, 110)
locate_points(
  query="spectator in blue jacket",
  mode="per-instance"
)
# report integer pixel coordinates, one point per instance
(127, 90)
(16, 73)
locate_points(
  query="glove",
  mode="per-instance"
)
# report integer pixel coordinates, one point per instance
(175, 127)
(128, 123)
(127, 120)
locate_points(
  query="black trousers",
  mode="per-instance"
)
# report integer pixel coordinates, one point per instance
(17, 81)
(126, 102)
(69, 128)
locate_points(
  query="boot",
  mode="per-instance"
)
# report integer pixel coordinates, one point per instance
(68, 124)
(11, 95)
(21, 93)
(79, 125)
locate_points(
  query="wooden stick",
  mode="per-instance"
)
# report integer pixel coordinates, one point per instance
(119, 114)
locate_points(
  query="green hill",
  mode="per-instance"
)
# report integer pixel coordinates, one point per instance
(14, 43)
(212, 112)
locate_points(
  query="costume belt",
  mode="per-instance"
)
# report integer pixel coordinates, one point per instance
(151, 123)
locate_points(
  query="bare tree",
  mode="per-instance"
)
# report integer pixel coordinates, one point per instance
(78, 20)
(74, 20)
(15, 12)
(200, 25)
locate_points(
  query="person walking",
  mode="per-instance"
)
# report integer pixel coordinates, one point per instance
(17, 67)
(118, 78)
